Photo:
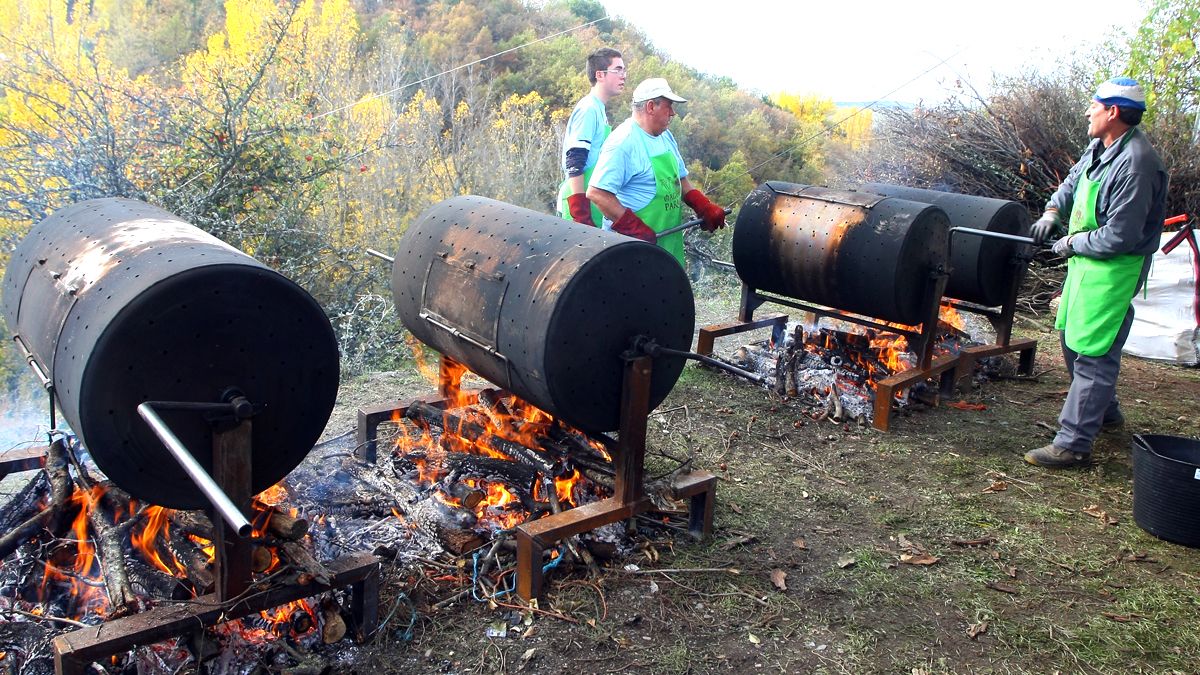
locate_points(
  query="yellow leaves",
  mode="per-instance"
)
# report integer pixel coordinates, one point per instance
(805, 107)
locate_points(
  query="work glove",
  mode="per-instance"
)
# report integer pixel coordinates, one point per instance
(1062, 247)
(713, 215)
(580, 208)
(1044, 227)
(632, 226)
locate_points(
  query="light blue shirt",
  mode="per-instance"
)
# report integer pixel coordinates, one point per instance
(624, 167)
(586, 124)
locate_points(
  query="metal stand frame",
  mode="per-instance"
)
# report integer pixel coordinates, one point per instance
(1002, 322)
(628, 500)
(235, 594)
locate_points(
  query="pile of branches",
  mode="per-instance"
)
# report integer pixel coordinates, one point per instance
(1017, 144)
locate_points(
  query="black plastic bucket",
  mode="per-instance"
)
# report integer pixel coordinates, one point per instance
(1166, 487)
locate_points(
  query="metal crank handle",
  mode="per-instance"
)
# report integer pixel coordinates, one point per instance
(381, 256)
(995, 235)
(686, 226)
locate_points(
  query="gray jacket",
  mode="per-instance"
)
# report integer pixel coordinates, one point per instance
(1132, 202)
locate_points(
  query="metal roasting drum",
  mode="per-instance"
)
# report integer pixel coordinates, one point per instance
(120, 303)
(980, 267)
(541, 306)
(860, 253)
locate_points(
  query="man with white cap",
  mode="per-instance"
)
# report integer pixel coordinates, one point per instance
(640, 182)
(1116, 197)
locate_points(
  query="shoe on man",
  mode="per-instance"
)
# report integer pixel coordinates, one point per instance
(1054, 457)
(1113, 423)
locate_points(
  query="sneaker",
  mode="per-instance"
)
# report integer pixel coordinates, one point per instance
(1055, 457)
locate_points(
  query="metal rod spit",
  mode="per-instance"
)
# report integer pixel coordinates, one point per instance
(225, 506)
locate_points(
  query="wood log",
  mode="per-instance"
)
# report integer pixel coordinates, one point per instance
(287, 527)
(333, 626)
(194, 560)
(303, 561)
(192, 522)
(452, 423)
(110, 550)
(58, 476)
(260, 559)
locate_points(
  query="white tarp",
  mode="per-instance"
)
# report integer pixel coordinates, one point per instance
(1164, 324)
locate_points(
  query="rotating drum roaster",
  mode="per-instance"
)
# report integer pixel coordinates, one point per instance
(539, 306)
(868, 254)
(981, 268)
(118, 303)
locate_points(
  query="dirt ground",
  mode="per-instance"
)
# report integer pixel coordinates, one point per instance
(839, 549)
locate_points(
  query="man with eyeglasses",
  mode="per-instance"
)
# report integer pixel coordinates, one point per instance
(1116, 195)
(640, 182)
(587, 127)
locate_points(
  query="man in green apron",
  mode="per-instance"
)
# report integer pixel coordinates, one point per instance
(1116, 197)
(640, 183)
(587, 127)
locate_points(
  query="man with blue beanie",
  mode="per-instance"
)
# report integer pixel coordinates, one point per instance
(1116, 196)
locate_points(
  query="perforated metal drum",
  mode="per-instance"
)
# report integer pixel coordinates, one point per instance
(541, 306)
(122, 303)
(981, 268)
(861, 253)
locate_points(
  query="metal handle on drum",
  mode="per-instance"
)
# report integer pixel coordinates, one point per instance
(216, 496)
(428, 316)
(686, 226)
(653, 349)
(995, 235)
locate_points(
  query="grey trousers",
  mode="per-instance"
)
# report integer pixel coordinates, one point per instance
(1092, 398)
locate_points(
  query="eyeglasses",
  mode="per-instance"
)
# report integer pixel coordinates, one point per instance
(619, 70)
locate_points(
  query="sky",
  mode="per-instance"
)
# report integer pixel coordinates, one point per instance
(867, 50)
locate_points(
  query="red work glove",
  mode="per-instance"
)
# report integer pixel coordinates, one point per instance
(580, 208)
(632, 226)
(713, 215)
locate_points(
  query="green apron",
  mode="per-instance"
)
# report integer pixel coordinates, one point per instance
(564, 189)
(666, 208)
(1096, 293)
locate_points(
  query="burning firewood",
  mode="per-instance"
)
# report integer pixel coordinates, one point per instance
(60, 485)
(432, 416)
(287, 527)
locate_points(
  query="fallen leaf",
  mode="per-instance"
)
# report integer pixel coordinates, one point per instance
(918, 559)
(733, 506)
(963, 405)
(1003, 588)
(825, 530)
(1100, 514)
(1011, 572)
(737, 541)
(754, 639)
(779, 579)
(1119, 618)
(998, 486)
(800, 544)
(977, 629)
(846, 561)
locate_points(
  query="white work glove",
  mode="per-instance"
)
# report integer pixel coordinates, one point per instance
(1044, 227)
(1062, 247)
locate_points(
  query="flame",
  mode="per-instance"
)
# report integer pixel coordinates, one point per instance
(950, 316)
(209, 548)
(85, 579)
(157, 525)
(274, 495)
(565, 488)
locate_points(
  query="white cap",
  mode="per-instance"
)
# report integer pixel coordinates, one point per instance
(655, 87)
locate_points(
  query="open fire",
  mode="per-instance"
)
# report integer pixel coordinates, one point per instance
(811, 363)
